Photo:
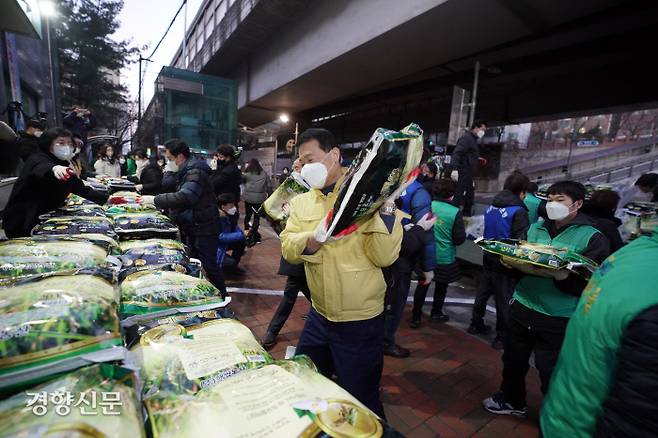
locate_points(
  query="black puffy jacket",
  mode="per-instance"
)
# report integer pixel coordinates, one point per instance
(227, 179)
(193, 205)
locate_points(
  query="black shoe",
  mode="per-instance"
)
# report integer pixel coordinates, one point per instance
(440, 317)
(396, 351)
(478, 329)
(415, 323)
(268, 341)
(498, 344)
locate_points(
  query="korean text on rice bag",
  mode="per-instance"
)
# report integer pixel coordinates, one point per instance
(144, 225)
(76, 225)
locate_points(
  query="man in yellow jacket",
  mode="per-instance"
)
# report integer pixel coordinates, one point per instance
(344, 331)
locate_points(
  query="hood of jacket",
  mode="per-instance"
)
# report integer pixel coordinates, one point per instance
(507, 199)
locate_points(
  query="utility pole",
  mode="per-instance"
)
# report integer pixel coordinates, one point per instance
(139, 97)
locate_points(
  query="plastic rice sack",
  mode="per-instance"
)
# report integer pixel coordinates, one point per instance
(153, 254)
(150, 294)
(276, 206)
(83, 210)
(182, 360)
(56, 323)
(76, 225)
(144, 225)
(282, 399)
(116, 209)
(29, 256)
(110, 245)
(385, 166)
(133, 334)
(523, 255)
(124, 197)
(73, 200)
(92, 402)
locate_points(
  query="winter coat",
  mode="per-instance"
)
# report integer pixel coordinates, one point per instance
(150, 179)
(227, 179)
(193, 205)
(229, 232)
(103, 166)
(27, 145)
(607, 224)
(341, 267)
(257, 187)
(37, 191)
(520, 223)
(465, 157)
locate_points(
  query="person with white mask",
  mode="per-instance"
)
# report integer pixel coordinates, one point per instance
(232, 240)
(46, 179)
(148, 175)
(107, 163)
(542, 305)
(464, 161)
(344, 332)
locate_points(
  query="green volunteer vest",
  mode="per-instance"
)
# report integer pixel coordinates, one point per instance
(446, 214)
(539, 293)
(623, 286)
(532, 202)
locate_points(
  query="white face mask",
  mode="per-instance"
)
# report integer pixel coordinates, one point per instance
(63, 152)
(480, 134)
(231, 211)
(122, 161)
(557, 211)
(315, 174)
(172, 165)
(213, 164)
(37, 134)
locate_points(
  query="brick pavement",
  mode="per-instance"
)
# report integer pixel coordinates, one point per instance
(435, 392)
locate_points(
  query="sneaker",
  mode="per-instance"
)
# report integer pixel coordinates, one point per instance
(414, 323)
(268, 341)
(478, 329)
(498, 343)
(496, 404)
(440, 317)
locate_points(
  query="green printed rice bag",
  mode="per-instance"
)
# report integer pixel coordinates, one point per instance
(276, 206)
(150, 294)
(76, 225)
(144, 225)
(285, 398)
(83, 210)
(522, 255)
(92, 402)
(56, 323)
(138, 255)
(29, 256)
(181, 360)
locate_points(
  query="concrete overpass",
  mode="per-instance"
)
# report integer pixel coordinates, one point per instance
(354, 65)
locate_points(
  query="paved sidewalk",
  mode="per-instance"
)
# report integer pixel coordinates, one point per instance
(435, 392)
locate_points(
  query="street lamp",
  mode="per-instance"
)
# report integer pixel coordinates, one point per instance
(283, 118)
(47, 9)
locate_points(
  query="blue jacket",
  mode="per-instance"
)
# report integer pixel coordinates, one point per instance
(229, 232)
(417, 202)
(193, 205)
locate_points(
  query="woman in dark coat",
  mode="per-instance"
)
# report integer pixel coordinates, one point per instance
(46, 180)
(148, 176)
(601, 207)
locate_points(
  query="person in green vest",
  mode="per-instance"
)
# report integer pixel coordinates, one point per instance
(449, 233)
(532, 202)
(605, 383)
(542, 306)
(131, 166)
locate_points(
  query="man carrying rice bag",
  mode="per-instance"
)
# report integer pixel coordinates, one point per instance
(345, 328)
(542, 306)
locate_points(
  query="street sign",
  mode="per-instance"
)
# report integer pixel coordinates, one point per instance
(588, 143)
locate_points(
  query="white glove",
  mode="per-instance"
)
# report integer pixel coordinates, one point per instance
(139, 187)
(61, 173)
(454, 175)
(148, 200)
(429, 276)
(427, 221)
(409, 226)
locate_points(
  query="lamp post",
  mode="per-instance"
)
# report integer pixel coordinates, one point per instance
(48, 10)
